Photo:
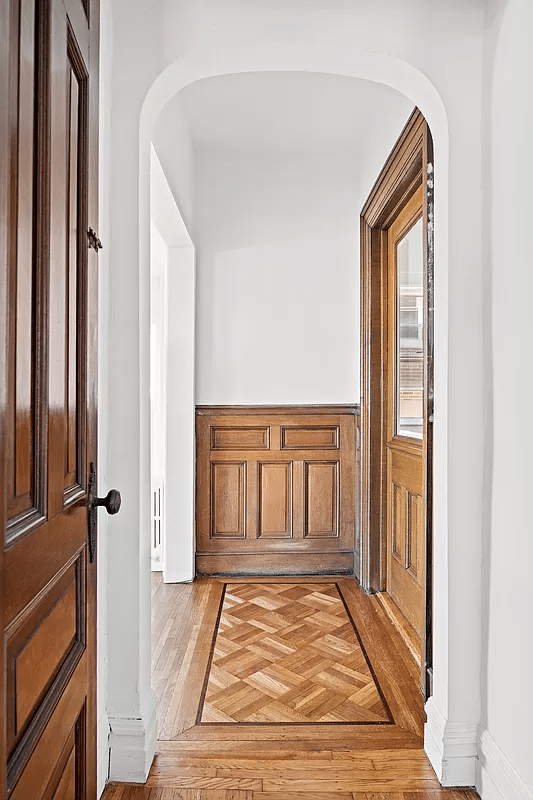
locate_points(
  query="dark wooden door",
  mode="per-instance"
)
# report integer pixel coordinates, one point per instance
(406, 401)
(275, 490)
(49, 162)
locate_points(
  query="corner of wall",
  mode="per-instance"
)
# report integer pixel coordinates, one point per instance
(132, 744)
(496, 778)
(451, 747)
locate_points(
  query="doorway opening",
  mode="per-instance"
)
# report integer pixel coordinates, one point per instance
(397, 389)
(172, 331)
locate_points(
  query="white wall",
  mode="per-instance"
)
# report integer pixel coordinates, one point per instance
(130, 699)
(158, 384)
(283, 164)
(178, 555)
(506, 732)
(104, 231)
(431, 52)
(278, 277)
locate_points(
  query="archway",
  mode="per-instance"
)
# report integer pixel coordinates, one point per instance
(377, 67)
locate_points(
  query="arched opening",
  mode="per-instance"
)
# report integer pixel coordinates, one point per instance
(370, 66)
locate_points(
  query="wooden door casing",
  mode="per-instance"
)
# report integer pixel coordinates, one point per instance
(49, 582)
(408, 167)
(275, 490)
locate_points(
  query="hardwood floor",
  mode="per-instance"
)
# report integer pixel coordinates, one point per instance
(333, 759)
(289, 653)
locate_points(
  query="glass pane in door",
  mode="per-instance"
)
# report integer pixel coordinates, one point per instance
(410, 333)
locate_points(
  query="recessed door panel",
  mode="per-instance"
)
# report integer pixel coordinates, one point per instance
(26, 374)
(275, 500)
(322, 499)
(228, 500)
(319, 437)
(43, 644)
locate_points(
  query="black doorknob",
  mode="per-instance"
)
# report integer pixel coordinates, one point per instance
(111, 502)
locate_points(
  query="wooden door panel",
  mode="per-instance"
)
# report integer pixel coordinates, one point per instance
(321, 494)
(275, 500)
(397, 522)
(324, 437)
(240, 438)
(65, 732)
(36, 559)
(274, 482)
(48, 584)
(43, 645)
(66, 787)
(25, 369)
(75, 274)
(228, 500)
(68, 315)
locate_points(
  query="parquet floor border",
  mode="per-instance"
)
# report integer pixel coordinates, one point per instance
(350, 640)
(280, 761)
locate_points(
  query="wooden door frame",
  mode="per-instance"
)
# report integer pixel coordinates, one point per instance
(409, 166)
(4, 181)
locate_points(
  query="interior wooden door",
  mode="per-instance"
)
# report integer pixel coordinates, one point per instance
(49, 160)
(406, 402)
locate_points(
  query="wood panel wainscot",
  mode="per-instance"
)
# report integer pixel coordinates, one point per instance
(276, 490)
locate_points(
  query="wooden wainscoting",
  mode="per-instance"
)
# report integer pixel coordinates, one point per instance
(276, 490)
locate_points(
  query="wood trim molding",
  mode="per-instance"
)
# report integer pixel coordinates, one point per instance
(405, 170)
(278, 409)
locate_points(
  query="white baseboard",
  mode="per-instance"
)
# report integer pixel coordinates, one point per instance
(451, 748)
(102, 739)
(132, 746)
(496, 777)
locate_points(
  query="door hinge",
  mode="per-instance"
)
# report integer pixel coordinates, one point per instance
(94, 241)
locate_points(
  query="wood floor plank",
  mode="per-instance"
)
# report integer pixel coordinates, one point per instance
(302, 796)
(177, 782)
(207, 738)
(354, 785)
(183, 690)
(352, 734)
(387, 655)
(410, 762)
(404, 775)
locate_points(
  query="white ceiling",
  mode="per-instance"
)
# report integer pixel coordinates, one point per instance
(290, 110)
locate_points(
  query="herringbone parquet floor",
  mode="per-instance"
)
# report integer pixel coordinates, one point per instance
(289, 653)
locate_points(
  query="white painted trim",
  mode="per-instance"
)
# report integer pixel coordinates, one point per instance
(132, 746)
(496, 777)
(451, 747)
(434, 735)
(102, 739)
